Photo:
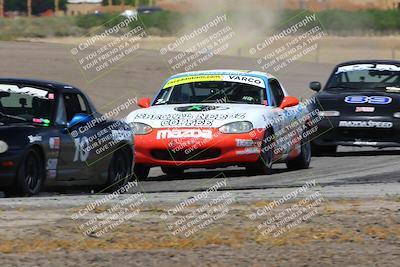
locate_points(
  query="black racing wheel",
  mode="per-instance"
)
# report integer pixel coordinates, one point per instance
(302, 161)
(30, 174)
(119, 171)
(264, 163)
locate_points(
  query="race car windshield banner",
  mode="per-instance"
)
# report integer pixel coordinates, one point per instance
(255, 81)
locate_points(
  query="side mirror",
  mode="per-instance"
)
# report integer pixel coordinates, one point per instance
(144, 102)
(79, 118)
(289, 101)
(315, 86)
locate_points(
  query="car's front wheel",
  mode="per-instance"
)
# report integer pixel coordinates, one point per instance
(119, 170)
(264, 163)
(302, 161)
(30, 174)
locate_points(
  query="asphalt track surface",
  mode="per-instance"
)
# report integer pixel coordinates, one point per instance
(350, 166)
(349, 173)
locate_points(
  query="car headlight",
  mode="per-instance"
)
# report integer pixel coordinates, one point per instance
(141, 128)
(3, 146)
(237, 127)
(329, 113)
(396, 115)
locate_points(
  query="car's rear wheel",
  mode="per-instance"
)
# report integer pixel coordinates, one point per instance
(318, 150)
(302, 161)
(141, 171)
(264, 162)
(30, 174)
(119, 170)
(172, 171)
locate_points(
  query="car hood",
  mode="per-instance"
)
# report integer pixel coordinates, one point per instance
(355, 101)
(199, 115)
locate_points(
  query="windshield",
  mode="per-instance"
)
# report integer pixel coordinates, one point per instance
(25, 104)
(366, 76)
(211, 92)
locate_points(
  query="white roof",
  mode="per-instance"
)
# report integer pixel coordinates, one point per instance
(222, 71)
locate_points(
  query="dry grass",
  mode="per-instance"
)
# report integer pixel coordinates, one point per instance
(337, 221)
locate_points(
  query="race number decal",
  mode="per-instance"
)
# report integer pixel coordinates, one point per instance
(362, 99)
(82, 149)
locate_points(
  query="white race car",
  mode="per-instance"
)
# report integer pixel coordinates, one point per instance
(219, 118)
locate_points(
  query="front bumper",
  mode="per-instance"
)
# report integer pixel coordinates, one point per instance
(8, 167)
(219, 150)
(341, 131)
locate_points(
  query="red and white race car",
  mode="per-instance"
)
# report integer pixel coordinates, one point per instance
(218, 118)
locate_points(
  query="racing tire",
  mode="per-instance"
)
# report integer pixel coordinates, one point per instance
(263, 165)
(30, 174)
(119, 170)
(172, 171)
(302, 161)
(141, 172)
(318, 150)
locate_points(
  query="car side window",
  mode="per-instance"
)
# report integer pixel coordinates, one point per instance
(277, 92)
(74, 104)
(61, 116)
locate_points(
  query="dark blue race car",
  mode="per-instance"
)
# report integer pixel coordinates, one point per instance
(359, 106)
(52, 135)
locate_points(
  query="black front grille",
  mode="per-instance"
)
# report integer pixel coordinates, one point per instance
(350, 134)
(182, 155)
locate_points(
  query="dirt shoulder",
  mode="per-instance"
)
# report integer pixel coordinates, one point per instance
(331, 49)
(340, 233)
